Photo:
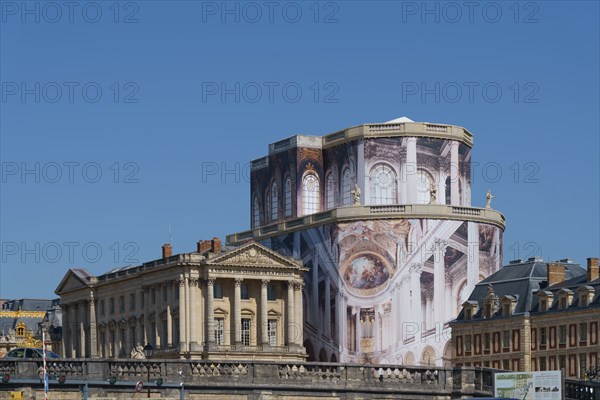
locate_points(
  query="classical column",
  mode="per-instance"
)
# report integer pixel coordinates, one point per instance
(327, 309)
(395, 322)
(290, 314)
(315, 290)
(411, 170)
(183, 339)
(74, 330)
(298, 316)
(473, 256)
(361, 173)
(448, 314)
(193, 314)
(107, 344)
(358, 329)
(405, 309)
(147, 333)
(441, 189)
(376, 331)
(402, 198)
(454, 169)
(428, 323)
(169, 331)
(66, 342)
(93, 327)
(82, 321)
(264, 323)
(439, 283)
(157, 323)
(415, 287)
(338, 317)
(210, 311)
(237, 310)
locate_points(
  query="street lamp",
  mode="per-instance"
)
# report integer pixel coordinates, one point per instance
(148, 352)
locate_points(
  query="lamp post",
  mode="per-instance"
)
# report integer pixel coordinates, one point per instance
(148, 352)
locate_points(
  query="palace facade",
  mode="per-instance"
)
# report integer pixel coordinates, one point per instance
(243, 303)
(532, 316)
(381, 217)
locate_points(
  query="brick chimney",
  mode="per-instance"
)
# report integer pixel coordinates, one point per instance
(203, 246)
(167, 250)
(215, 245)
(556, 273)
(592, 269)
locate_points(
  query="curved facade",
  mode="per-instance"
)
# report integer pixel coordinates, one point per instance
(381, 215)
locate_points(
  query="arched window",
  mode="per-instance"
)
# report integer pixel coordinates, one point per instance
(255, 212)
(424, 184)
(346, 187)
(383, 185)
(448, 190)
(267, 206)
(274, 202)
(310, 194)
(288, 197)
(329, 191)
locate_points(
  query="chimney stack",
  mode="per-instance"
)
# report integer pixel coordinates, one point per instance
(556, 273)
(592, 269)
(215, 246)
(167, 250)
(203, 246)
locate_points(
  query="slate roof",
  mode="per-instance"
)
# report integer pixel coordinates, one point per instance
(32, 323)
(523, 280)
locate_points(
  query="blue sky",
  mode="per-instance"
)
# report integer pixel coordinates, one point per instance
(119, 120)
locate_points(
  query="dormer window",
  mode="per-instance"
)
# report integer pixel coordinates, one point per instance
(491, 303)
(509, 303)
(545, 300)
(470, 308)
(586, 294)
(565, 298)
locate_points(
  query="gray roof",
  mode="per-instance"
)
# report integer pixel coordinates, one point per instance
(523, 280)
(32, 323)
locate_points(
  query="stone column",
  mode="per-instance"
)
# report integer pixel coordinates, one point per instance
(441, 189)
(237, 310)
(147, 333)
(93, 327)
(405, 309)
(82, 321)
(298, 306)
(439, 283)
(454, 173)
(327, 309)
(358, 329)
(473, 255)
(107, 344)
(193, 314)
(338, 318)
(315, 290)
(428, 323)
(411, 170)
(448, 314)
(210, 312)
(169, 331)
(290, 313)
(66, 342)
(157, 323)
(376, 331)
(415, 287)
(183, 339)
(264, 323)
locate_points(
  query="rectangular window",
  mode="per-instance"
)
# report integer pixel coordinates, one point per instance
(542, 363)
(246, 331)
(165, 294)
(486, 341)
(163, 337)
(121, 303)
(562, 362)
(245, 291)
(467, 343)
(102, 307)
(219, 329)
(543, 305)
(217, 290)
(542, 336)
(562, 334)
(123, 343)
(271, 292)
(506, 365)
(111, 305)
(153, 296)
(152, 339)
(272, 332)
(583, 332)
(132, 339)
(582, 365)
(132, 301)
(142, 300)
(506, 340)
(176, 334)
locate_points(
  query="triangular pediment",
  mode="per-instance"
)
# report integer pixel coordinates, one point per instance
(256, 255)
(73, 280)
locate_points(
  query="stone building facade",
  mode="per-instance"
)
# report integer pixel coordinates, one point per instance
(241, 303)
(532, 316)
(381, 216)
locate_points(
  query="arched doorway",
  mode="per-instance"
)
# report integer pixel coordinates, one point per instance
(428, 356)
(323, 355)
(333, 358)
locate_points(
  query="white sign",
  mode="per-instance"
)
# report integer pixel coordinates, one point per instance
(539, 385)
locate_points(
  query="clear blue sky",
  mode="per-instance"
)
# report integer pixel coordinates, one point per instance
(160, 125)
